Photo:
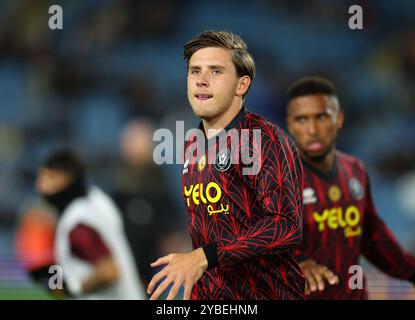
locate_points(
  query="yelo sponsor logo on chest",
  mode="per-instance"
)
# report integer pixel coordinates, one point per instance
(210, 196)
(335, 218)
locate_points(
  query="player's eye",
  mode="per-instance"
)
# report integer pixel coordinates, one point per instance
(216, 72)
(323, 117)
(194, 72)
(301, 120)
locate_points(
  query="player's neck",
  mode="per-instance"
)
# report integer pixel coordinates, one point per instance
(215, 125)
(325, 165)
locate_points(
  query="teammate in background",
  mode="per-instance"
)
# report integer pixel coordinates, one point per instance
(243, 227)
(340, 220)
(90, 245)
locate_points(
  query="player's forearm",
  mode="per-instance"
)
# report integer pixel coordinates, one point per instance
(265, 238)
(395, 263)
(382, 248)
(389, 257)
(301, 255)
(105, 273)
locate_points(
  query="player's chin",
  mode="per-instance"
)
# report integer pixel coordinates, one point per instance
(317, 156)
(202, 111)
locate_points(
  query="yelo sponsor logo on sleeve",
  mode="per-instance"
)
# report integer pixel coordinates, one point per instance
(335, 218)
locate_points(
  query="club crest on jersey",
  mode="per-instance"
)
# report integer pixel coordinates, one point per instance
(201, 164)
(309, 196)
(335, 193)
(356, 189)
(223, 160)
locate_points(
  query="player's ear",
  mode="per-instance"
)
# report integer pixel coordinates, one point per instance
(243, 85)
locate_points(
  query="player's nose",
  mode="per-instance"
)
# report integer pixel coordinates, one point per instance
(202, 80)
(312, 128)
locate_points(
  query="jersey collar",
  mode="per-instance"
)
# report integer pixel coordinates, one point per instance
(233, 124)
(326, 175)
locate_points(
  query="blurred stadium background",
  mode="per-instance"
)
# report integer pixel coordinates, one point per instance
(115, 72)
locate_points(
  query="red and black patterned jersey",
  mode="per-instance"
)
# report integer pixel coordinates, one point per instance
(247, 224)
(341, 223)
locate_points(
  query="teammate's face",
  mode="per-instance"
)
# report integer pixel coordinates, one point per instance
(313, 121)
(213, 86)
(51, 181)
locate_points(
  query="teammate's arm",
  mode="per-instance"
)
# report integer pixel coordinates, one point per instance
(380, 246)
(105, 273)
(88, 245)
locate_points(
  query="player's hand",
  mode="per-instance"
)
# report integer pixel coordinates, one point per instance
(316, 275)
(181, 269)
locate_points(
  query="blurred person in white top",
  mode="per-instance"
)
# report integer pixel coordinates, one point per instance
(90, 244)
